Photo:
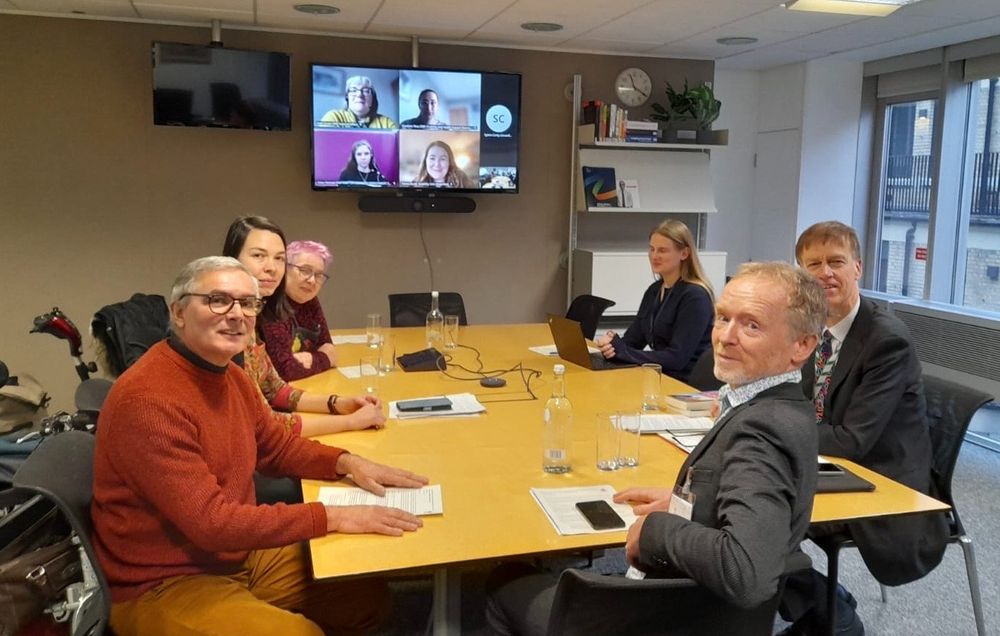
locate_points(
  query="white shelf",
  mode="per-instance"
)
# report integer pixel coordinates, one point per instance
(587, 140)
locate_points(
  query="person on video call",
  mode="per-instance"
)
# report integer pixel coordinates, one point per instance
(428, 104)
(438, 167)
(361, 167)
(675, 315)
(361, 103)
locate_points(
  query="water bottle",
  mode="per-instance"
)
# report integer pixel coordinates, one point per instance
(435, 324)
(557, 426)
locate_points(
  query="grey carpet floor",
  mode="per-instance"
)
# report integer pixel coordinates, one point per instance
(938, 605)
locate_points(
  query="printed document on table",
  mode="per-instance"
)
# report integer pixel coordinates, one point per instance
(685, 441)
(353, 371)
(552, 352)
(657, 422)
(359, 338)
(559, 505)
(462, 404)
(419, 501)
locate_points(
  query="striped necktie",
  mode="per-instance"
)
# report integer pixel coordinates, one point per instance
(824, 373)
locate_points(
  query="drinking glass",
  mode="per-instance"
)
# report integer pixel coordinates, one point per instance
(608, 434)
(450, 332)
(387, 354)
(373, 330)
(651, 376)
(369, 368)
(628, 443)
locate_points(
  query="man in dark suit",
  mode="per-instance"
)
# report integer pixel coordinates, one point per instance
(865, 383)
(742, 500)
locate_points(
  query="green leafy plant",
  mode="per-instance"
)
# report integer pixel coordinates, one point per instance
(703, 106)
(678, 108)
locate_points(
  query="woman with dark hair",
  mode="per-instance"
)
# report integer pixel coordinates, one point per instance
(360, 106)
(676, 313)
(361, 167)
(260, 245)
(438, 167)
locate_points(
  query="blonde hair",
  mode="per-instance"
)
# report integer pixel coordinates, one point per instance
(691, 269)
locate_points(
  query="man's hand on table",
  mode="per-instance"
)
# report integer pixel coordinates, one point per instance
(644, 500)
(370, 520)
(375, 477)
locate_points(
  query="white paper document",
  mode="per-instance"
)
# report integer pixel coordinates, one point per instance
(684, 441)
(657, 422)
(559, 505)
(552, 352)
(353, 371)
(418, 501)
(350, 339)
(462, 404)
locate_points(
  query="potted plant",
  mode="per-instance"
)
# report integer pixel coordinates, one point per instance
(677, 110)
(704, 109)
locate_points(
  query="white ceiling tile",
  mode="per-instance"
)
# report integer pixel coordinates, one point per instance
(587, 43)
(781, 19)
(765, 58)
(192, 14)
(957, 9)
(668, 20)
(868, 32)
(107, 8)
(577, 18)
(297, 20)
(213, 5)
(523, 38)
(434, 33)
(356, 13)
(4, 4)
(434, 14)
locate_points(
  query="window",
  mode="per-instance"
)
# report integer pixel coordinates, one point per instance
(982, 243)
(904, 196)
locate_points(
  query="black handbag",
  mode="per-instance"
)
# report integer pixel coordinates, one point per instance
(39, 558)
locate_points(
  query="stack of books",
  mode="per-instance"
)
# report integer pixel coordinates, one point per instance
(645, 132)
(609, 120)
(692, 403)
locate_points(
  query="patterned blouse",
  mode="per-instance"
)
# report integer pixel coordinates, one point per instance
(273, 390)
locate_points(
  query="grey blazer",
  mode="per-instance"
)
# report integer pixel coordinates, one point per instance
(875, 415)
(754, 478)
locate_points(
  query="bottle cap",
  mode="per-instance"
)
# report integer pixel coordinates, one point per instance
(559, 369)
(434, 294)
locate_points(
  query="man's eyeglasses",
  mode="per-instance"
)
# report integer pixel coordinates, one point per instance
(354, 90)
(222, 303)
(307, 272)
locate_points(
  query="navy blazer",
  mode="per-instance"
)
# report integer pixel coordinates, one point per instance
(754, 478)
(875, 415)
(677, 331)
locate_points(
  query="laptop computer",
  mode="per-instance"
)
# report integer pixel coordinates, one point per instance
(572, 346)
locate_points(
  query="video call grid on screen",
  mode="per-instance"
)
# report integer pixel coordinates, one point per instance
(414, 129)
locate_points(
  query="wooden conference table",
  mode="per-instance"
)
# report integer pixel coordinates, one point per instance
(487, 464)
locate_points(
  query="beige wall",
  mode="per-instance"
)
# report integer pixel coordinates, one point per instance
(97, 203)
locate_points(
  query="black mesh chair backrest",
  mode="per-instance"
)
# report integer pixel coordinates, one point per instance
(129, 328)
(702, 376)
(410, 310)
(950, 407)
(587, 310)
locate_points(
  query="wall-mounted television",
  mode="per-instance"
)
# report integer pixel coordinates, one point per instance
(219, 87)
(414, 130)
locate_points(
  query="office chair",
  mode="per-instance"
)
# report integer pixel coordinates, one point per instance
(128, 329)
(589, 604)
(587, 310)
(950, 408)
(410, 310)
(62, 469)
(702, 376)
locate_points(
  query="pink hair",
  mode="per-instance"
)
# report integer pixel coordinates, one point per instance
(309, 247)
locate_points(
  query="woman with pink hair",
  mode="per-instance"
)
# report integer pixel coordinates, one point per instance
(300, 345)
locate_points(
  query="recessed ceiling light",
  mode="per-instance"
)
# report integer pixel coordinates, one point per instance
(849, 7)
(317, 9)
(737, 41)
(78, 12)
(542, 27)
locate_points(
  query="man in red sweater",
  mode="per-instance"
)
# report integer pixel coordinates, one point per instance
(176, 528)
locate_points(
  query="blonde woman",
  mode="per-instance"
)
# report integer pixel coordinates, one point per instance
(676, 314)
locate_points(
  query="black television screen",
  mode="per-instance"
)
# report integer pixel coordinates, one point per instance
(414, 129)
(214, 86)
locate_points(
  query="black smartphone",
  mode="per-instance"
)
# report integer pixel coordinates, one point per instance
(426, 404)
(826, 468)
(600, 515)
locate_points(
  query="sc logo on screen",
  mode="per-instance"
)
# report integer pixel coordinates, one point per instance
(498, 118)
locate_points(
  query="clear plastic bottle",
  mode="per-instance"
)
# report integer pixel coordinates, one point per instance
(435, 324)
(557, 426)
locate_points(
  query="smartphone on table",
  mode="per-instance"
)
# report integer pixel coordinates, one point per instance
(426, 404)
(600, 515)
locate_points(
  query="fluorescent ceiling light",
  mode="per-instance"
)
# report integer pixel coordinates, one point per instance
(850, 7)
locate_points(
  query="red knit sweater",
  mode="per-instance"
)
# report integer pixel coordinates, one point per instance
(177, 445)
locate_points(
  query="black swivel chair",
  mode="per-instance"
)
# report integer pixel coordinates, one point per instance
(62, 469)
(587, 310)
(588, 604)
(950, 408)
(129, 328)
(702, 376)
(410, 310)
